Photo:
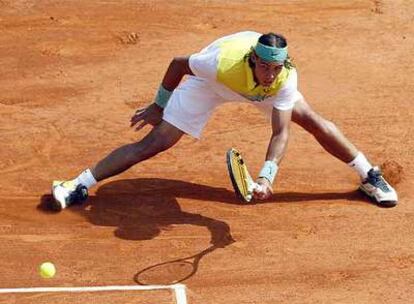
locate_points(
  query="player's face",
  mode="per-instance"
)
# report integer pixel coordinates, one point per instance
(266, 72)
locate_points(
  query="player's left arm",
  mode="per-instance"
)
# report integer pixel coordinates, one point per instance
(275, 152)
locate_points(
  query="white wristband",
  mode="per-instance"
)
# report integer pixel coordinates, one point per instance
(269, 170)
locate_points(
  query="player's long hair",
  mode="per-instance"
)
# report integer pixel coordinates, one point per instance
(272, 39)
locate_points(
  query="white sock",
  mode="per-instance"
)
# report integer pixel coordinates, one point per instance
(86, 178)
(361, 165)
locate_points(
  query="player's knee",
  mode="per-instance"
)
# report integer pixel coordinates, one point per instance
(161, 138)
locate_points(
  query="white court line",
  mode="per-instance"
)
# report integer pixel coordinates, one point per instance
(179, 289)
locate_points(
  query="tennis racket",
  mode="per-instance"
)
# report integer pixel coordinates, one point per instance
(243, 184)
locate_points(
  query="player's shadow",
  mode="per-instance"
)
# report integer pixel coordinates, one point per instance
(140, 209)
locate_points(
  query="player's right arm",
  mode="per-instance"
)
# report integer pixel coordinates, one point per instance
(152, 114)
(275, 152)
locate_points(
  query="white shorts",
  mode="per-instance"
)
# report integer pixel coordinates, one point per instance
(191, 105)
(194, 100)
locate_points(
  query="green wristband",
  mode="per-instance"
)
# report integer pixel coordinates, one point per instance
(162, 97)
(269, 171)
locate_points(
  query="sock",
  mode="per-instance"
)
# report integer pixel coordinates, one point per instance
(361, 165)
(86, 178)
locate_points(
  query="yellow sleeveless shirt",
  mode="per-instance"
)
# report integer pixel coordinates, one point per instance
(234, 72)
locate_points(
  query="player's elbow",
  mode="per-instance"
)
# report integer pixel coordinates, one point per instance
(181, 65)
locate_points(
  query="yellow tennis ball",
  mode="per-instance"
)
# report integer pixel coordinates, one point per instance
(47, 270)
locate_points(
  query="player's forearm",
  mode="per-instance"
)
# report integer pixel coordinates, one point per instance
(277, 146)
(275, 153)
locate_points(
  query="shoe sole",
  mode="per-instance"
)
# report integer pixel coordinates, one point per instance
(385, 204)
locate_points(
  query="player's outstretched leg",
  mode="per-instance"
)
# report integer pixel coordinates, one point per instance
(332, 140)
(160, 138)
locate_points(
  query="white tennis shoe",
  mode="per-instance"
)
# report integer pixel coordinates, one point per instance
(378, 189)
(66, 193)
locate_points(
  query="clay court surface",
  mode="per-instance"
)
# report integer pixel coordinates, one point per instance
(72, 73)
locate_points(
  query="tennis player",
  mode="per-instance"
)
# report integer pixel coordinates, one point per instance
(247, 67)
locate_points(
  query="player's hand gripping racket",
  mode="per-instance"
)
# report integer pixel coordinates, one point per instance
(243, 184)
